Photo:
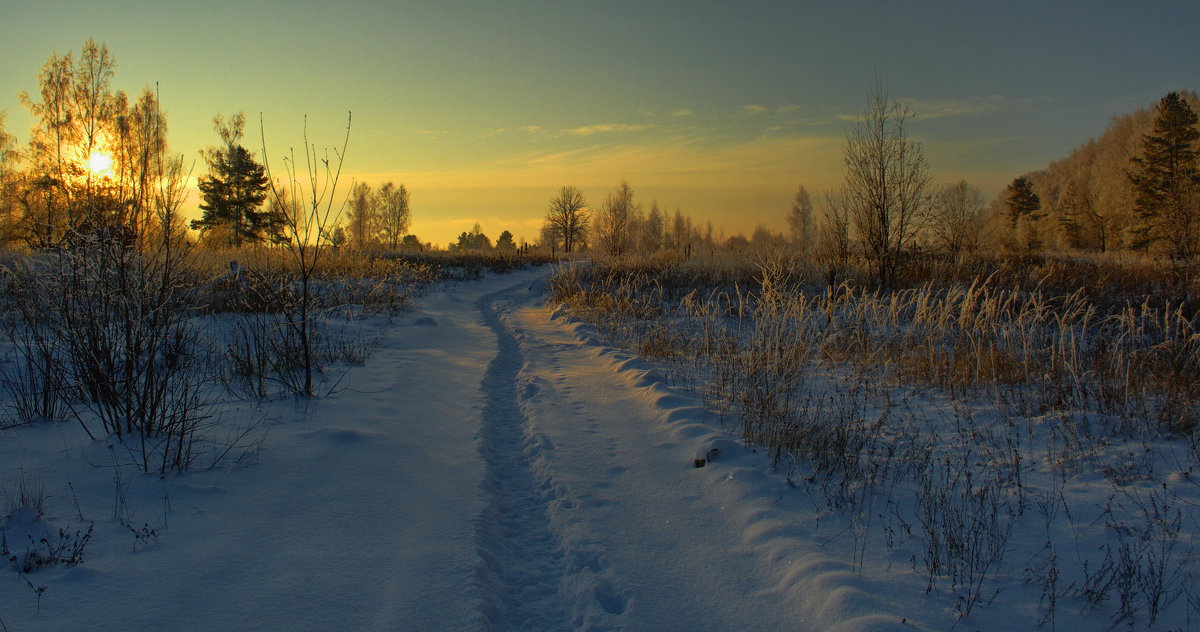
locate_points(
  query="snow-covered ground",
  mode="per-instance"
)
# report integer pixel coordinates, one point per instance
(486, 469)
(491, 466)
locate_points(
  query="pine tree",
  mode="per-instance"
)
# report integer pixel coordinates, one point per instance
(1021, 201)
(505, 242)
(234, 189)
(1164, 180)
(474, 240)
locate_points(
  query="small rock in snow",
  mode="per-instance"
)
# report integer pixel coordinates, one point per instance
(705, 456)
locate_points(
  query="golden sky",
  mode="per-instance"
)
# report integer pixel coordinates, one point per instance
(484, 109)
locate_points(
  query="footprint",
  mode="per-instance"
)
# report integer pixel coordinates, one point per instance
(610, 599)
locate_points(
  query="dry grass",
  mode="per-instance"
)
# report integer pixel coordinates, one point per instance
(1042, 350)
(821, 377)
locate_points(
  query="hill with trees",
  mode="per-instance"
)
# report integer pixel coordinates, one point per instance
(1088, 200)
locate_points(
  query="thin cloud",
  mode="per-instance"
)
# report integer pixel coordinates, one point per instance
(818, 121)
(681, 112)
(530, 129)
(760, 161)
(754, 109)
(945, 108)
(606, 128)
(940, 108)
(433, 134)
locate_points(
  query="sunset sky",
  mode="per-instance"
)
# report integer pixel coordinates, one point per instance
(484, 109)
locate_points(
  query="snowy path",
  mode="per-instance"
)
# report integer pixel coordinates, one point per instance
(529, 580)
(614, 527)
(489, 468)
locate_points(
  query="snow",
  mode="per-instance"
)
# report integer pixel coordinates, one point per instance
(492, 466)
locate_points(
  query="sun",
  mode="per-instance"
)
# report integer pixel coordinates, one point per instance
(100, 163)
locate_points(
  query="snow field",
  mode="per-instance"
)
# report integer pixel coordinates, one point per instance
(494, 466)
(356, 512)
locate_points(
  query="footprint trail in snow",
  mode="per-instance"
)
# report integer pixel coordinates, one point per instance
(532, 576)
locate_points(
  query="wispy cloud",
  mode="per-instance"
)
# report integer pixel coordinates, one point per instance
(681, 112)
(760, 161)
(955, 106)
(922, 109)
(430, 133)
(530, 129)
(819, 120)
(606, 128)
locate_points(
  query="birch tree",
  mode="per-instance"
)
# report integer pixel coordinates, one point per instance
(887, 184)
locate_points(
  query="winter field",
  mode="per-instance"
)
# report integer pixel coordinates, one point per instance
(657, 445)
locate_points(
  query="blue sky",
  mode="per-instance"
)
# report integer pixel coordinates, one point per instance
(720, 108)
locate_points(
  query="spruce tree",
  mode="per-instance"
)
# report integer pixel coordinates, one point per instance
(505, 242)
(1164, 180)
(233, 193)
(1021, 200)
(235, 187)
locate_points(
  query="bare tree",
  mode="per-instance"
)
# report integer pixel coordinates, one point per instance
(73, 115)
(394, 213)
(833, 244)
(568, 218)
(10, 182)
(800, 220)
(681, 233)
(1085, 221)
(139, 145)
(957, 218)
(615, 219)
(650, 238)
(111, 317)
(887, 182)
(362, 215)
(765, 240)
(548, 237)
(93, 103)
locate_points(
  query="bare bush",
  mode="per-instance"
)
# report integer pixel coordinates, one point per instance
(307, 200)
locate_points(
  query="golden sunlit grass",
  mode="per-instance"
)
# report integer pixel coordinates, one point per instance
(1131, 361)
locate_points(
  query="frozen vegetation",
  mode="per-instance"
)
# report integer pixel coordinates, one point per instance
(632, 448)
(1017, 455)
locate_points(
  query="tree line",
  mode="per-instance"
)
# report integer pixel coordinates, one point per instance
(93, 157)
(619, 226)
(1133, 188)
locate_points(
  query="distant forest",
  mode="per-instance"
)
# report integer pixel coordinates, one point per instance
(1090, 201)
